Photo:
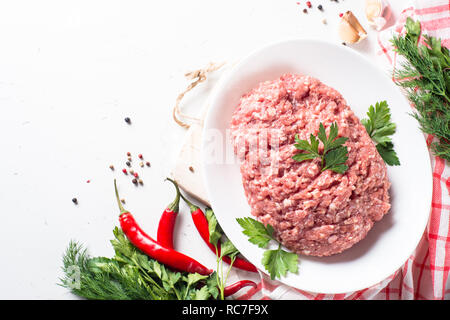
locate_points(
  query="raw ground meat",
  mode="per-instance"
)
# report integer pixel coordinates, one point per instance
(313, 213)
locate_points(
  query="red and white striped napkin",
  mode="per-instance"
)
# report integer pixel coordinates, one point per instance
(425, 274)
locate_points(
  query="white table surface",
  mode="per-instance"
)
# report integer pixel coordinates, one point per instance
(70, 72)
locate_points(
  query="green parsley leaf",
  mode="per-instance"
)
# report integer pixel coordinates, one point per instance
(334, 153)
(257, 232)
(201, 294)
(215, 231)
(412, 29)
(380, 129)
(278, 262)
(211, 283)
(228, 249)
(335, 159)
(388, 154)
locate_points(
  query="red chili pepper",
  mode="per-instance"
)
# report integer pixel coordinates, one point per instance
(167, 221)
(153, 249)
(201, 223)
(235, 287)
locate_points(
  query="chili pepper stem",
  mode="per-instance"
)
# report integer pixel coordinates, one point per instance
(174, 206)
(192, 206)
(122, 210)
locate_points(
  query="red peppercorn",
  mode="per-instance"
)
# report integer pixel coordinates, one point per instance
(128, 154)
(140, 156)
(124, 171)
(136, 175)
(308, 3)
(341, 15)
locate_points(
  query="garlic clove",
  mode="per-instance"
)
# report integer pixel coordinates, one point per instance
(350, 30)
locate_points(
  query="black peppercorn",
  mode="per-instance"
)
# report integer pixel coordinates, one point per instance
(320, 7)
(127, 120)
(75, 200)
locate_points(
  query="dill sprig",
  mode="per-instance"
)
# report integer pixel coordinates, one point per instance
(425, 76)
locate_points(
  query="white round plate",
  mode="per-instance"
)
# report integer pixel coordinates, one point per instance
(391, 241)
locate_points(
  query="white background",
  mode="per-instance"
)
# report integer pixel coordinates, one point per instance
(70, 72)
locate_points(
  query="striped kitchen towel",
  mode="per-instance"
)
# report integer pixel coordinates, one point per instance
(425, 274)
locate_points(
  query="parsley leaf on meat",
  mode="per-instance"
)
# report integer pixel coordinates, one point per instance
(334, 153)
(335, 159)
(277, 262)
(380, 129)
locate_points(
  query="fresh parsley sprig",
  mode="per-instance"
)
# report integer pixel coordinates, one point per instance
(277, 262)
(380, 128)
(226, 249)
(334, 154)
(130, 275)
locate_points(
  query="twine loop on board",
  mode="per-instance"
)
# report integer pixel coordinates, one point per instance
(198, 76)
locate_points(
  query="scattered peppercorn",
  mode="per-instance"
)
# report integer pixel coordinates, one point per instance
(129, 159)
(111, 167)
(320, 7)
(141, 156)
(128, 154)
(88, 181)
(136, 175)
(191, 169)
(324, 21)
(128, 163)
(75, 200)
(124, 171)
(122, 200)
(132, 171)
(141, 164)
(134, 181)
(128, 120)
(343, 43)
(141, 181)
(305, 11)
(308, 3)
(341, 14)
(148, 164)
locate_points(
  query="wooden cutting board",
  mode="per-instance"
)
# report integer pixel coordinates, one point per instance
(188, 168)
(188, 171)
